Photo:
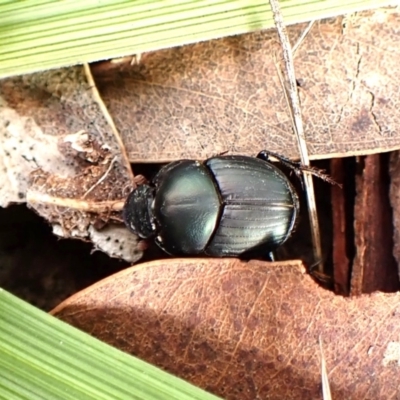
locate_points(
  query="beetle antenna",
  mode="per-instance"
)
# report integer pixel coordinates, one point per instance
(297, 167)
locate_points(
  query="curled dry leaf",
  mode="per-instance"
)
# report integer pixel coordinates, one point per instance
(62, 155)
(225, 95)
(245, 330)
(23, 147)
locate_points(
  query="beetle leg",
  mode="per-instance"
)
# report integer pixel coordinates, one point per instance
(266, 155)
(271, 255)
(297, 167)
(294, 166)
(322, 278)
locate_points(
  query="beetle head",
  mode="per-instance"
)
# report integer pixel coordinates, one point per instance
(137, 212)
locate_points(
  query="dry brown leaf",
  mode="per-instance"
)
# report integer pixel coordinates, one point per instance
(61, 154)
(225, 95)
(246, 330)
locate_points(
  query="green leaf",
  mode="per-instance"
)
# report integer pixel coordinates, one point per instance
(42, 357)
(43, 34)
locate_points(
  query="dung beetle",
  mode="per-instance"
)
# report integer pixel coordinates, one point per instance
(226, 206)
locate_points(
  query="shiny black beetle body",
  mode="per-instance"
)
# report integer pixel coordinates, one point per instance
(225, 206)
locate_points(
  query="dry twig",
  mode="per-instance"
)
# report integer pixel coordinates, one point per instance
(295, 109)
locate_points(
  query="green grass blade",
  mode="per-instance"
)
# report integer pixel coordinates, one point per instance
(43, 34)
(41, 357)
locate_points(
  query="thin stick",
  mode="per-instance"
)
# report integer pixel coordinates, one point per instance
(298, 128)
(102, 178)
(123, 156)
(326, 390)
(75, 204)
(302, 37)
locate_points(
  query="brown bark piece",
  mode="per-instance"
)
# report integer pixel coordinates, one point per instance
(374, 267)
(245, 330)
(395, 202)
(341, 262)
(224, 95)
